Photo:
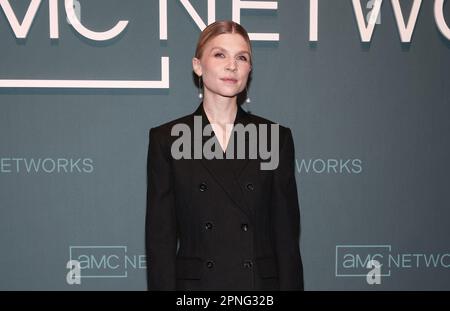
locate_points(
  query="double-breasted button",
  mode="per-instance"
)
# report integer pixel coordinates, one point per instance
(250, 186)
(203, 187)
(244, 227)
(208, 226)
(210, 264)
(248, 264)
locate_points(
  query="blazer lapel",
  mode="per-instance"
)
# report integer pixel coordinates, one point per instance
(227, 178)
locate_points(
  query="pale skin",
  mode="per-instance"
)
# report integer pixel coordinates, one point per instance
(224, 67)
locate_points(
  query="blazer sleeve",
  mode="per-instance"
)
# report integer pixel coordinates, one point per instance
(160, 220)
(286, 217)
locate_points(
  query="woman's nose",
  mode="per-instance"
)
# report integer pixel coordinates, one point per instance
(232, 66)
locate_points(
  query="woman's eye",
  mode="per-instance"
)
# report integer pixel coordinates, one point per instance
(218, 54)
(243, 58)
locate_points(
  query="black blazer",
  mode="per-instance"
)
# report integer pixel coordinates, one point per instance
(221, 224)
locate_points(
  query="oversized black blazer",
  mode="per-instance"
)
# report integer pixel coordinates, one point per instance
(221, 224)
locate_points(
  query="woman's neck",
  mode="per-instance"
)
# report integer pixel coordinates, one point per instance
(220, 110)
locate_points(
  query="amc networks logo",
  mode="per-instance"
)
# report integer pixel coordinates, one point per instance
(72, 10)
(363, 261)
(376, 262)
(101, 262)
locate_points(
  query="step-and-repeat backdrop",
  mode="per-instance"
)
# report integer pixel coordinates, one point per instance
(364, 86)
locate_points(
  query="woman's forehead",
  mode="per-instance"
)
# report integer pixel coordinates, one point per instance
(229, 42)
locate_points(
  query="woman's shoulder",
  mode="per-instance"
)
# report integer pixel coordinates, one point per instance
(165, 129)
(256, 119)
(259, 120)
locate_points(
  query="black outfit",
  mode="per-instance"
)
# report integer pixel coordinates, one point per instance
(237, 226)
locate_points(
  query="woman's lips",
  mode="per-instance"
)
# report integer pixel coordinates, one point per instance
(229, 80)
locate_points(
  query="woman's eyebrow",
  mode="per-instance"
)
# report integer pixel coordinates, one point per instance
(222, 49)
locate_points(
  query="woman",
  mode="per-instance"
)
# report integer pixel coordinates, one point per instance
(221, 222)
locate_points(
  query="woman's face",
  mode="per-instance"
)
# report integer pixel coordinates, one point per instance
(224, 65)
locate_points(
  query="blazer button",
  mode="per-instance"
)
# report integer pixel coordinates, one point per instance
(250, 186)
(210, 264)
(248, 264)
(244, 227)
(208, 226)
(203, 187)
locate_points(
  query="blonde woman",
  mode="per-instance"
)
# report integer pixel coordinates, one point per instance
(221, 222)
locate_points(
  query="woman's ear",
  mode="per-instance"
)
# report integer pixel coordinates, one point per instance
(196, 66)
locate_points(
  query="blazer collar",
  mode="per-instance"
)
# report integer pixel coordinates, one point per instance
(241, 115)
